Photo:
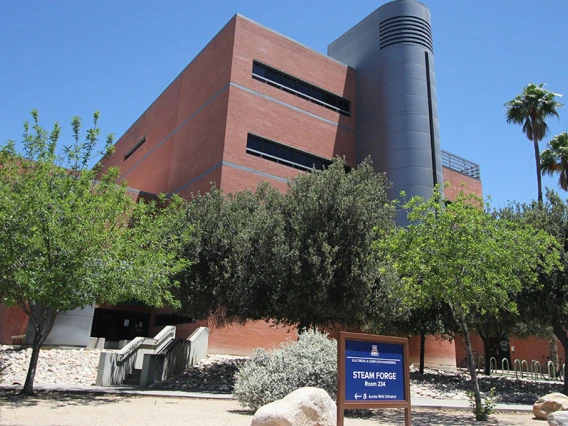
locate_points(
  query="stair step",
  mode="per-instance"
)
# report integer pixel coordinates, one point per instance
(133, 379)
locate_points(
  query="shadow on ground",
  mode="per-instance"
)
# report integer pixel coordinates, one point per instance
(434, 417)
(59, 399)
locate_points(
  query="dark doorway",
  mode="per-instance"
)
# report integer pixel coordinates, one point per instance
(119, 325)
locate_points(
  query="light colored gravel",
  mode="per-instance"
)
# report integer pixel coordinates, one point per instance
(93, 410)
(69, 366)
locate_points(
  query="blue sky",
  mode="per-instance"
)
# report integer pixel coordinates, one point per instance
(73, 57)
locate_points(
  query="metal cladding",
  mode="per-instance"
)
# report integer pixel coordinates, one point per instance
(397, 114)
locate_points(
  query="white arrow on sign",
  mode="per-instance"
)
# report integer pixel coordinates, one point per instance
(357, 396)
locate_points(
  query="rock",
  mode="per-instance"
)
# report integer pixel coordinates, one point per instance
(558, 418)
(303, 407)
(549, 404)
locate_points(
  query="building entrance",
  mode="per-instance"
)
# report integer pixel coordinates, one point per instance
(116, 325)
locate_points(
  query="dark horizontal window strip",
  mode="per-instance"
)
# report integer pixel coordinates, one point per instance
(300, 88)
(134, 148)
(283, 154)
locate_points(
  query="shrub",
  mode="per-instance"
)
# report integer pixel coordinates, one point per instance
(269, 376)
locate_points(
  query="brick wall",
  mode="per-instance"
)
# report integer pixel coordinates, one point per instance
(13, 322)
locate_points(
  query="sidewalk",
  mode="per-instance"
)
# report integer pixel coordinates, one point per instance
(455, 404)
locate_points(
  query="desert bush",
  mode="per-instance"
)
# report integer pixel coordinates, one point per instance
(269, 376)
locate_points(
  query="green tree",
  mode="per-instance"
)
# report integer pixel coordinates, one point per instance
(330, 274)
(460, 255)
(235, 253)
(433, 320)
(530, 109)
(547, 304)
(554, 159)
(72, 237)
(303, 258)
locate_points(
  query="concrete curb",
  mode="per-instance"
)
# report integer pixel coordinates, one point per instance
(441, 404)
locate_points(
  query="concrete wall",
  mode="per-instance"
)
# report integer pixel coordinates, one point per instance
(182, 355)
(113, 369)
(71, 328)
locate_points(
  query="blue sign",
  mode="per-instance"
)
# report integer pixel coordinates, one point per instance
(374, 371)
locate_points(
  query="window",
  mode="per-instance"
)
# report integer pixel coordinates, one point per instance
(300, 88)
(135, 147)
(282, 154)
(172, 319)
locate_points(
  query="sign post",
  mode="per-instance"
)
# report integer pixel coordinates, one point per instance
(372, 372)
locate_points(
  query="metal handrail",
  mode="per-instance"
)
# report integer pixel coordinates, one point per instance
(461, 165)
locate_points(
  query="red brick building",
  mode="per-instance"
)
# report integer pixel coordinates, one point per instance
(256, 106)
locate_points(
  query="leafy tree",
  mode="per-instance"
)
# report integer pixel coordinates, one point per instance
(547, 304)
(235, 254)
(303, 258)
(554, 159)
(496, 327)
(460, 255)
(530, 109)
(72, 237)
(419, 321)
(330, 274)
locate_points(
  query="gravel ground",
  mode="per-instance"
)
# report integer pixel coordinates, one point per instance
(215, 374)
(69, 366)
(62, 409)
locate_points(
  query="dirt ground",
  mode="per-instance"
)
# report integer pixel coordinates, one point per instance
(109, 410)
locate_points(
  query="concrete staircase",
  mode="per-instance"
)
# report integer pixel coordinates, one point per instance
(133, 379)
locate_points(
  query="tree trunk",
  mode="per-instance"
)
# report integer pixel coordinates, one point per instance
(538, 174)
(29, 384)
(43, 324)
(460, 321)
(561, 335)
(422, 351)
(486, 354)
(554, 351)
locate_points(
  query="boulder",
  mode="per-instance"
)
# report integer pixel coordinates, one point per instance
(303, 407)
(558, 418)
(549, 404)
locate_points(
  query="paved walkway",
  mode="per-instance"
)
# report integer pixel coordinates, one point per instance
(456, 404)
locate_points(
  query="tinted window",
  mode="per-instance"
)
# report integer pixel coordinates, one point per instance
(330, 99)
(300, 88)
(300, 158)
(273, 76)
(285, 153)
(303, 88)
(343, 104)
(289, 82)
(269, 148)
(253, 143)
(257, 69)
(316, 94)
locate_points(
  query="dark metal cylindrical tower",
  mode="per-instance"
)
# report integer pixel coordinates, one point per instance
(396, 110)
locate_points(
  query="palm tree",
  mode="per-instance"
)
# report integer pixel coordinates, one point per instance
(530, 109)
(554, 159)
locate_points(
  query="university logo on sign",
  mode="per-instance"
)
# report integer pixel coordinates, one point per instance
(374, 351)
